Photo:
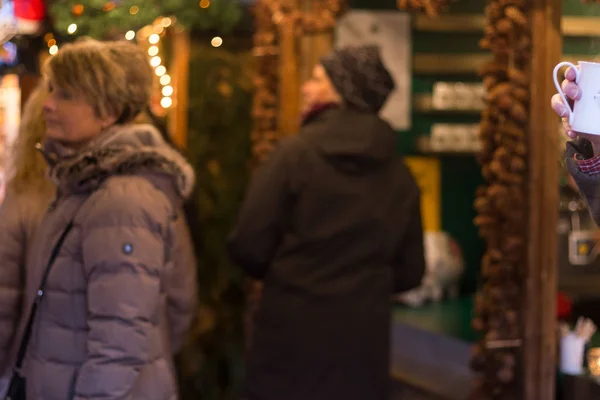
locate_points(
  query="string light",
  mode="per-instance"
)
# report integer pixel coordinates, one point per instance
(53, 50)
(155, 61)
(130, 35)
(166, 102)
(204, 3)
(167, 91)
(216, 41)
(72, 29)
(165, 80)
(134, 10)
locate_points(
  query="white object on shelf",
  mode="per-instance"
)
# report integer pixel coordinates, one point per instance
(444, 270)
(572, 349)
(458, 96)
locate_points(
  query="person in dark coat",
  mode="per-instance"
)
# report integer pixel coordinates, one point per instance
(331, 224)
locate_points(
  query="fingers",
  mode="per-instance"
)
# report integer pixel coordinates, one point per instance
(570, 133)
(571, 90)
(570, 74)
(559, 107)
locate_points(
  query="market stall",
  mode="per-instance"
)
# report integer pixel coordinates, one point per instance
(511, 341)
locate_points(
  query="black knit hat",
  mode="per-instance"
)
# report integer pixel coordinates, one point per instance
(359, 76)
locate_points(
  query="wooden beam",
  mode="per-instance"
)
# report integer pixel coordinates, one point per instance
(289, 78)
(178, 119)
(468, 63)
(540, 330)
(474, 23)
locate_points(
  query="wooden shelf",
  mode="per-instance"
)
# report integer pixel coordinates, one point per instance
(463, 64)
(472, 23)
(422, 103)
(423, 147)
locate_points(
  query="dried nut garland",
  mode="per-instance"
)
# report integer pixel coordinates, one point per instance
(429, 7)
(267, 15)
(499, 217)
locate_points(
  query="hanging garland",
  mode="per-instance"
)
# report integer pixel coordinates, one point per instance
(497, 311)
(428, 7)
(109, 19)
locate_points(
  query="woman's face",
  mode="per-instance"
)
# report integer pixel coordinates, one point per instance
(318, 89)
(70, 120)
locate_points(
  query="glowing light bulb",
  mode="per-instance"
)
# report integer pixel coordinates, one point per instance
(216, 41)
(165, 80)
(130, 35)
(166, 102)
(134, 10)
(155, 61)
(53, 50)
(167, 91)
(154, 38)
(166, 22)
(72, 29)
(204, 3)
(152, 51)
(160, 70)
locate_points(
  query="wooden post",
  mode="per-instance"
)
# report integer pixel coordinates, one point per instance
(178, 121)
(540, 331)
(289, 77)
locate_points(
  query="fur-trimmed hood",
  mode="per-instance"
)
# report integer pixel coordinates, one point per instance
(135, 149)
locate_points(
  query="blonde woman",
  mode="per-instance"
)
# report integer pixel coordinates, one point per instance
(28, 194)
(113, 302)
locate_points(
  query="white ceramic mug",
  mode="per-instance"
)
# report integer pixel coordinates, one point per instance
(584, 117)
(572, 351)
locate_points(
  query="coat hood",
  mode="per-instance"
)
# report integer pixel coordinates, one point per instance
(351, 140)
(122, 150)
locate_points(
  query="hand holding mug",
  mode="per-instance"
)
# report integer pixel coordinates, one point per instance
(578, 101)
(571, 90)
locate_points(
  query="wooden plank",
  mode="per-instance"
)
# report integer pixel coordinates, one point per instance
(468, 63)
(473, 23)
(539, 319)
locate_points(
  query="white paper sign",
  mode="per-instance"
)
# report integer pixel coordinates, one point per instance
(390, 30)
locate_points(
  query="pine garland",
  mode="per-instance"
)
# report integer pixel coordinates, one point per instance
(218, 147)
(105, 19)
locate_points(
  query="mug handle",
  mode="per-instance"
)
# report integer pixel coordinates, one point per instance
(560, 91)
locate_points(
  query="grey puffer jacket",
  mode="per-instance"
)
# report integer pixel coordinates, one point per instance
(107, 321)
(20, 214)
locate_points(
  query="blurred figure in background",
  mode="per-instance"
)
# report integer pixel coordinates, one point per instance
(28, 195)
(331, 224)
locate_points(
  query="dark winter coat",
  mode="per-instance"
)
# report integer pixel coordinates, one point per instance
(331, 223)
(115, 306)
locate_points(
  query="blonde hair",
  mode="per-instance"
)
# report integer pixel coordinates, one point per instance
(28, 165)
(114, 77)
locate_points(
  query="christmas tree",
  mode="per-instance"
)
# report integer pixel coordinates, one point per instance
(108, 19)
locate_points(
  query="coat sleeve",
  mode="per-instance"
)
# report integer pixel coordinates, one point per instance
(257, 234)
(409, 262)
(124, 238)
(182, 291)
(12, 259)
